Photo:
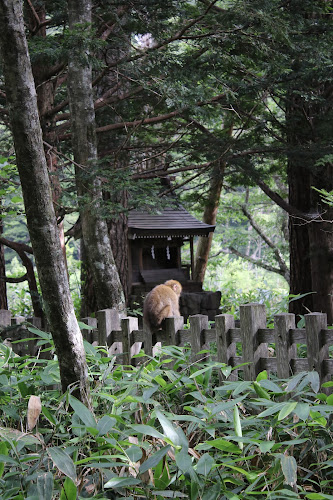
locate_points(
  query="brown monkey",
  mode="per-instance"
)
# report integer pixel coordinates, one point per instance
(160, 303)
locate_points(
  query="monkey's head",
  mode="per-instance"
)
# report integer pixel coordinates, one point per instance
(175, 286)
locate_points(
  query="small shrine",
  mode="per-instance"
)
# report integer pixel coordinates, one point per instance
(155, 245)
(155, 242)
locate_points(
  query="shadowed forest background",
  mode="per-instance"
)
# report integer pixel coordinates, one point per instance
(232, 101)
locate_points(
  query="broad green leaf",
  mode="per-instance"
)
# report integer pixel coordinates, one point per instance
(63, 462)
(204, 464)
(69, 490)
(17, 199)
(203, 370)
(262, 376)
(318, 418)
(271, 386)
(329, 400)
(120, 482)
(105, 424)
(184, 463)
(220, 444)
(302, 410)
(134, 453)
(40, 333)
(45, 486)
(8, 460)
(289, 469)
(275, 408)
(294, 381)
(147, 430)
(83, 412)
(47, 414)
(198, 395)
(155, 459)
(176, 436)
(286, 410)
(314, 380)
(266, 446)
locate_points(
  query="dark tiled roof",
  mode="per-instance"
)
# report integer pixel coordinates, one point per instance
(169, 222)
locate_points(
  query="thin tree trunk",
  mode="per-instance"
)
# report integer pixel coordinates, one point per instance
(31, 163)
(107, 285)
(209, 217)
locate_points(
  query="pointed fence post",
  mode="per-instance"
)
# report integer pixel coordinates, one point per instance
(148, 340)
(317, 350)
(198, 323)
(127, 327)
(285, 351)
(252, 318)
(108, 320)
(172, 326)
(225, 348)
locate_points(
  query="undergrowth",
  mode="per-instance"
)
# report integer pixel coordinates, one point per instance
(168, 428)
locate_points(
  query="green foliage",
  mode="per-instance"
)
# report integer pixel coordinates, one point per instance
(18, 293)
(165, 429)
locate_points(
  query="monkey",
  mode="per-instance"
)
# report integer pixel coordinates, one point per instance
(160, 303)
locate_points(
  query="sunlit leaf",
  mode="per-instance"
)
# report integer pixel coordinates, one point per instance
(286, 410)
(175, 435)
(69, 490)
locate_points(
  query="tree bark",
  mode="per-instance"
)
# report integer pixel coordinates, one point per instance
(209, 217)
(41, 221)
(311, 241)
(107, 284)
(3, 288)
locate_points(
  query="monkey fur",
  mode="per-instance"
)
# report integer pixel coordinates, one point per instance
(160, 303)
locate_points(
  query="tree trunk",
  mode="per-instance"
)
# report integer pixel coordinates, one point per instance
(45, 88)
(3, 289)
(118, 232)
(311, 243)
(41, 221)
(209, 217)
(107, 285)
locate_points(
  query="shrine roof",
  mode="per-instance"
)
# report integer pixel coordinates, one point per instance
(176, 222)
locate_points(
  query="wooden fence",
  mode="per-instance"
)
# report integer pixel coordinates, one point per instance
(261, 348)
